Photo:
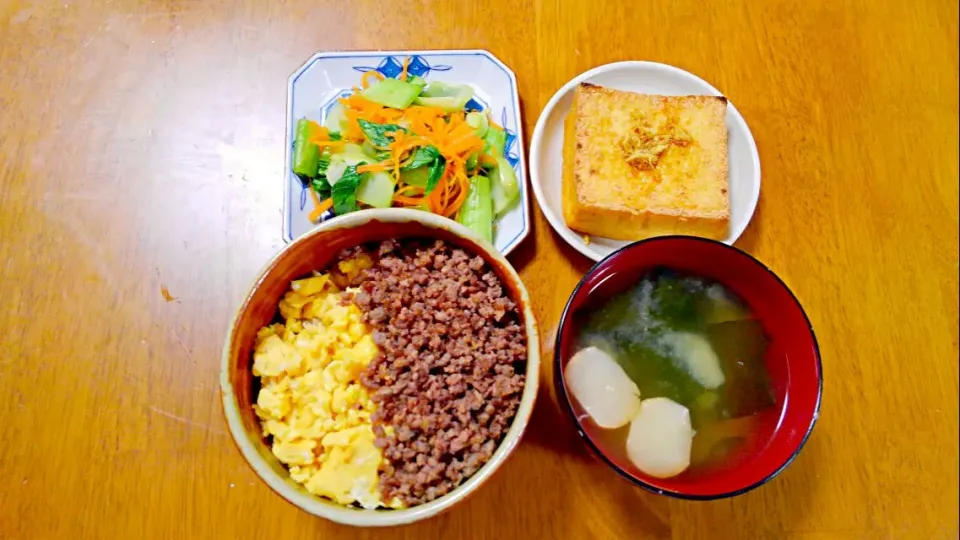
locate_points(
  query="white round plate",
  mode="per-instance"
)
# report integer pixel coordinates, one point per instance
(546, 155)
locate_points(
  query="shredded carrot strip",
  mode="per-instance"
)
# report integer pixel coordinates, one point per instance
(460, 128)
(365, 79)
(450, 188)
(413, 140)
(384, 115)
(373, 167)
(440, 194)
(464, 187)
(447, 196)
(319, 207)
(409, 160)
(424, 112)
(443, 198)
(409, 187)
(321, 137)
(410, 157)
(331, 144)
(406, 64)
(431, 200)
(356, 101)
(439, 126)
(421, 118)
(465, 145)
(411, 201)
(461, 197)
(486, 159)
(352, 130)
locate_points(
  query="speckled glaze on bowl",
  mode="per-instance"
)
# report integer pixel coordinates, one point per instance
(314, 251)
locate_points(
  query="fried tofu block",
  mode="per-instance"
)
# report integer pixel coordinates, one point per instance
(637, 166)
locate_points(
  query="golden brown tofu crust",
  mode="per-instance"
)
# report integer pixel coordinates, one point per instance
(639, 165)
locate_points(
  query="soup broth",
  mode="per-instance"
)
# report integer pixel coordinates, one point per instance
(696, 343)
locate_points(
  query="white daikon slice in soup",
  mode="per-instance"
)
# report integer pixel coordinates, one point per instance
(660, 438)
(602, 388)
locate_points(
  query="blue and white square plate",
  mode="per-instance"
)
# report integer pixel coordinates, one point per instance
(317, 85)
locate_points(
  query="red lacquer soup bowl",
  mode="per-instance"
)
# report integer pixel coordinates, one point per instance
(792, 361)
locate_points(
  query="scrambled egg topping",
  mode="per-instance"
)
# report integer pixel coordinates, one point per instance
(311, 401)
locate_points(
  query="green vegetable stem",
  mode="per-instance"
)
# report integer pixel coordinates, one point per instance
(393, 93)
(436, 173)
(344, 191)
(477, 210)
(496, 140)
(306, 155)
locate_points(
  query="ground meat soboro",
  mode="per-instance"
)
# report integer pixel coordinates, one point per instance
(449, 376)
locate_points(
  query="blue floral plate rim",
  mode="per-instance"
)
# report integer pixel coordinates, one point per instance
(519, 157)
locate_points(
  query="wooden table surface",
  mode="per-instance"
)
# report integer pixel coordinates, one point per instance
(141, 148)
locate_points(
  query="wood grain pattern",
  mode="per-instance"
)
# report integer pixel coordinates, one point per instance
(141, 146)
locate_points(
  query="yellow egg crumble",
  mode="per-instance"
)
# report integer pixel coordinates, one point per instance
(311, 401)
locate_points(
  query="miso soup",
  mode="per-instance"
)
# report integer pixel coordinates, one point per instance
(691, 394)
